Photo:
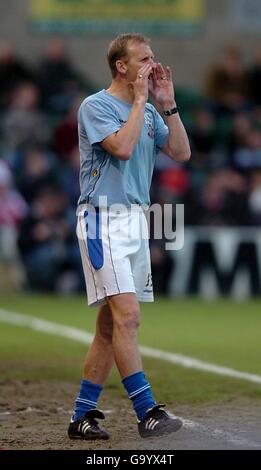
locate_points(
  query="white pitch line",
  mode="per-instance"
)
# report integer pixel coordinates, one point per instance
(219, 434)
(75, 334)
(192, 363)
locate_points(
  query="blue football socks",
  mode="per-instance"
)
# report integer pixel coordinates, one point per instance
(87, 398)
(140, 393)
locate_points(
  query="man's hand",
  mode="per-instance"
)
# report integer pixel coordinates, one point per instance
(161, 87)
(141, 84)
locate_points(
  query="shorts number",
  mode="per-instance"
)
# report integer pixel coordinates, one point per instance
(149, 280)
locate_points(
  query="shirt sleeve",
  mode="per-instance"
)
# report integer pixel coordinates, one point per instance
(162, 131)
(99, 120)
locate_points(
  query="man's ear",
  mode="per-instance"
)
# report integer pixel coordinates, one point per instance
(121, 66)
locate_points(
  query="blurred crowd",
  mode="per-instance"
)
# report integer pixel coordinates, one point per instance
(39, 161)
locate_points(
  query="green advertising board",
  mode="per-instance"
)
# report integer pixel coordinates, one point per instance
(115, 16)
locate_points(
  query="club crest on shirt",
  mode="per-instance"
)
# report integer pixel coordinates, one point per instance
(150, 124)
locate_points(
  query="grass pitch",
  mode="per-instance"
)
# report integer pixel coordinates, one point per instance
(223, 332)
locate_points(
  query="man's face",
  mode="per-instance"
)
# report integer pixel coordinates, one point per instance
(139, 55)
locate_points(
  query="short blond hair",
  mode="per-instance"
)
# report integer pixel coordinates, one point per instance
(118, 48)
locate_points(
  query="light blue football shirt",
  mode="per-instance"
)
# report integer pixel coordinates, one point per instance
(101, 174)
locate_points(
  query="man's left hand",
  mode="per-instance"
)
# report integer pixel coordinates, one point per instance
(161, 87)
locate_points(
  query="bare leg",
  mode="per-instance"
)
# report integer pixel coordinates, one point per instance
(99, 359)
(126, 317)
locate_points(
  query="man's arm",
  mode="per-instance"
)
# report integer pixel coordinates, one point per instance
(122, 143)
(177, 146)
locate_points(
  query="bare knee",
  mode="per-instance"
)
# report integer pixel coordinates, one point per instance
(128, 318)
(125, 311)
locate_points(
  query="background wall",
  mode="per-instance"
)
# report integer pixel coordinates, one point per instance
(189, 57)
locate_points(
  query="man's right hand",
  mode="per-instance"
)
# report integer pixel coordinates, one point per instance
(141, 84)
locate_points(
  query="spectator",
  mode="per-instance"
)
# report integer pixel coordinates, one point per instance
(248, 156)
(66, 134)
(35, 168)
(203, 139)
(238, 137)
(59, 81)
(13, 72)
(221, 201)
(203, 132)
(23, 123)
(47, 241)
(226, 83)
(12, 211)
